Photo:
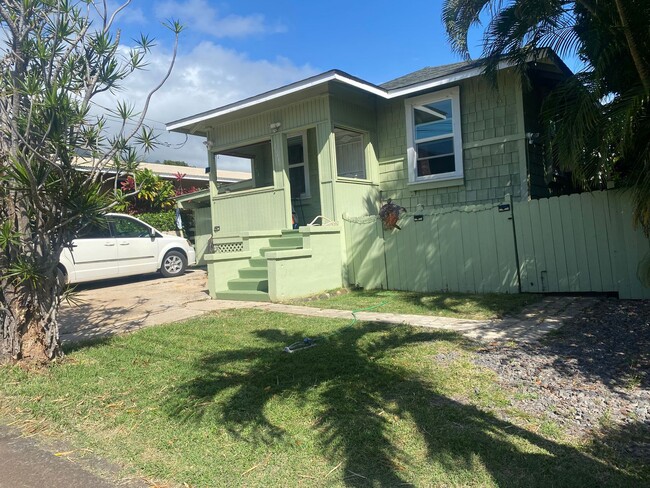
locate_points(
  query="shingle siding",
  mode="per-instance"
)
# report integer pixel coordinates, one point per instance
(492, 168)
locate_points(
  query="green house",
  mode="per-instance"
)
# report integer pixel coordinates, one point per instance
(334, 148)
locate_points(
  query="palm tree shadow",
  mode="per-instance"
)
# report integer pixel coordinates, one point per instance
(359, 395)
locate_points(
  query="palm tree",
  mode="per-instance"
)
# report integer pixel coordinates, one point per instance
(598, 121)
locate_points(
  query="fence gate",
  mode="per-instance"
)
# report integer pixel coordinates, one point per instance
(578, 243)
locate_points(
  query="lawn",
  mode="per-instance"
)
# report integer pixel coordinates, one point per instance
(216, 402)
(456, 305)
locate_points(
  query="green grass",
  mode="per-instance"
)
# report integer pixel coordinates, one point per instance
(215, 402)
(457, 305)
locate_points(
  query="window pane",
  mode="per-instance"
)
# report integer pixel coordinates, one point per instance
(295, 150)
(350, 157)
(433, 119)
(436, 166)
(435, 148)
(297, 181)
(95, 231)
(129, 228)
(436, 157)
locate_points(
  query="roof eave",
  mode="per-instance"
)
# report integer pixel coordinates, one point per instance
(189, 124)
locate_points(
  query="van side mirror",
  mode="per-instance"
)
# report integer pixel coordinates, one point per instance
(152, 233)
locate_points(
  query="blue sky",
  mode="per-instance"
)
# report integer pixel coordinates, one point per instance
(232, 50)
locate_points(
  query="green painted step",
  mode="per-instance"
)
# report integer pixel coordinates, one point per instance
(243, 295)
(264, 250)
(289, 232)
(289, 241)
(248, 284)
(254, 272)
(257, 262)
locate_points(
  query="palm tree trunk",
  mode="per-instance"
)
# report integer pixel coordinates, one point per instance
(634, 49)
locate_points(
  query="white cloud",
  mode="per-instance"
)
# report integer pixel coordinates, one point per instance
(209, 76)
(200, 16)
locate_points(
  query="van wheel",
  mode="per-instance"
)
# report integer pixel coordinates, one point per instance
(173, 264)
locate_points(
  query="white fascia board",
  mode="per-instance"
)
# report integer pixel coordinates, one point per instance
(296, 87)
(325, 78)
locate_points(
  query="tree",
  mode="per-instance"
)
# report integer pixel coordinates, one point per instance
(171, 162)
(148, 192)
(56, 57)
(598, 121)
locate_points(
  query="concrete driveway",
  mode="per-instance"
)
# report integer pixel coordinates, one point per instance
(110, 307)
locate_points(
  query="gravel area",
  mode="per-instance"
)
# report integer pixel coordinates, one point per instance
(591, 375)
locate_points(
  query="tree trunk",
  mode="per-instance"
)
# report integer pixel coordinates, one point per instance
(30, 331)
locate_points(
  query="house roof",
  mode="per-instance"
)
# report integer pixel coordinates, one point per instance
(423, 79)
(429, 73)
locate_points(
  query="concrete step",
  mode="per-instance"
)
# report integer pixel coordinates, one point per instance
(254, 272)
(243, 295)
(290, 232)
(255, 284)
(257, 262)
(288, 241)
(264, 250)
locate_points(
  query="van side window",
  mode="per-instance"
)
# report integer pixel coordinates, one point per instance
(95, 231)
(129, 228)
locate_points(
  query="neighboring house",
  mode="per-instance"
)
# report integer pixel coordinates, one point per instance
(333, 148)
(198, 178)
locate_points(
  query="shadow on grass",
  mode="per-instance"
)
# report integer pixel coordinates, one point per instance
(358, 394)
(498, 304)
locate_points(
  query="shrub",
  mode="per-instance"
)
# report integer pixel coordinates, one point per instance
(163, 221)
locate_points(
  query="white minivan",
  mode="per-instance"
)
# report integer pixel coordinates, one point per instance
(124, 246)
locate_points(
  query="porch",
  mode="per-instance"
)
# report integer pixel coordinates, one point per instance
(275, 265)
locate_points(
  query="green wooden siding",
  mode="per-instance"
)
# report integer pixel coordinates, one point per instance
(292, 117)
(252, 210)
(494, 150)
(577, 243)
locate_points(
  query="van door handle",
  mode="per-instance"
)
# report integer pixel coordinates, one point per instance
(124, 243)
(109, 244)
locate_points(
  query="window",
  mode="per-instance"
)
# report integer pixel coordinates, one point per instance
(350, 157)
(298, 170)
(98, 230)
(433, 136)
(125, 227)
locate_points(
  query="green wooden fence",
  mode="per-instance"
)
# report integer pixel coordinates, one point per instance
(577, 243)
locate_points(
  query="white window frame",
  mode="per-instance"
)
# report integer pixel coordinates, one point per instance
(410, 104)
(364, 146)
(305, 164)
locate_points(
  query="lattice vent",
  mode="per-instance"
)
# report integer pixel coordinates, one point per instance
(229, 247)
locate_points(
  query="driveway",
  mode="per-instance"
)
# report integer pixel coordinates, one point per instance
(110, 307)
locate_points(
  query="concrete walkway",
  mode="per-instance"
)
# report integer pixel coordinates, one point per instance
(123, 306)
(530, 325)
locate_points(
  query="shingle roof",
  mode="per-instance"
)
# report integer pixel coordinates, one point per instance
(430, 73)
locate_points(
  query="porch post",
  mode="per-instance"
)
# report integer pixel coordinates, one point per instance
(212, 162)
(281, 172)
(326, 169)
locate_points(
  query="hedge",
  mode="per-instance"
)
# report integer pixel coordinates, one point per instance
(163, 221)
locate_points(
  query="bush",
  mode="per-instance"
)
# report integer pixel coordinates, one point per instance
(163, 221)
